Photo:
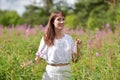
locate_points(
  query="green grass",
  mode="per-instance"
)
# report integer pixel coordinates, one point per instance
(16, 48)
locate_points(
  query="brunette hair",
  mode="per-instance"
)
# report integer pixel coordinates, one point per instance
(50, 34)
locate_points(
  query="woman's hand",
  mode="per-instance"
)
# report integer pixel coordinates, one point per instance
(37, 59)
(78, 43)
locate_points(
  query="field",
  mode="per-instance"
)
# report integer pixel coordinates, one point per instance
(99, 56)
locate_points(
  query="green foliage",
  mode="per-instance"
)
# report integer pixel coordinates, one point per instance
(9, 18)
(71, 21)
(16, 48)
(118, 13)
(34, 16)
(84, 13)
(98, 17)
(96, 13)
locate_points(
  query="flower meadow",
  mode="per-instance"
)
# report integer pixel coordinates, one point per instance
(99, 55)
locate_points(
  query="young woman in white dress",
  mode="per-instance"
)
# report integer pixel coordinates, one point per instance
(57, 48)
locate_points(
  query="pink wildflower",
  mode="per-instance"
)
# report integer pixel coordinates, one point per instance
(98, 54)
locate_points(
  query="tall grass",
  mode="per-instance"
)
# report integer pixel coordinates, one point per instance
(99, 56)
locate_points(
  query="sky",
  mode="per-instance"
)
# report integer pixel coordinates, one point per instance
(18, 5)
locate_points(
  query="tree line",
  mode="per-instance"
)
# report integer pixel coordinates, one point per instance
(89, 14)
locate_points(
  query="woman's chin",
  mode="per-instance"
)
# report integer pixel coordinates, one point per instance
(61, 28)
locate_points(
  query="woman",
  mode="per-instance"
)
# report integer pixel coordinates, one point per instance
(57, 49)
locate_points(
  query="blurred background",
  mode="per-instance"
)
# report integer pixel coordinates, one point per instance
(95, 22)
(90, 14)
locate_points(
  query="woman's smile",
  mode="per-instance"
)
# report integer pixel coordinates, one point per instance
(59, 22)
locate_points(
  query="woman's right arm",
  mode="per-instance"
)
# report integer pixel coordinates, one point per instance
(39, 52)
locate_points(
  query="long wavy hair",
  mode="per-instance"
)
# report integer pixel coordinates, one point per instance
(50, 34)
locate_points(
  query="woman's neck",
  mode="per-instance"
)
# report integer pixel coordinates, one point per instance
(59, 34)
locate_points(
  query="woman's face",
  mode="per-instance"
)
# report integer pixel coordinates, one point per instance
(59, 22)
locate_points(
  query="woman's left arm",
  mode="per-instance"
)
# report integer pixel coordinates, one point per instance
(75, 55)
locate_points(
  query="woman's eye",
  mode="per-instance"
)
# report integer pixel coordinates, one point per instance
(60, 19)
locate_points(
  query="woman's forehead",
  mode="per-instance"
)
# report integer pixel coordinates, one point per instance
(59, 16)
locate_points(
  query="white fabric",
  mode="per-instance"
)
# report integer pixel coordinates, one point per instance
(57, 73)
(60, 52)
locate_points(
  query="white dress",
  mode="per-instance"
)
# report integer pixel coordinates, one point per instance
(60, 52)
